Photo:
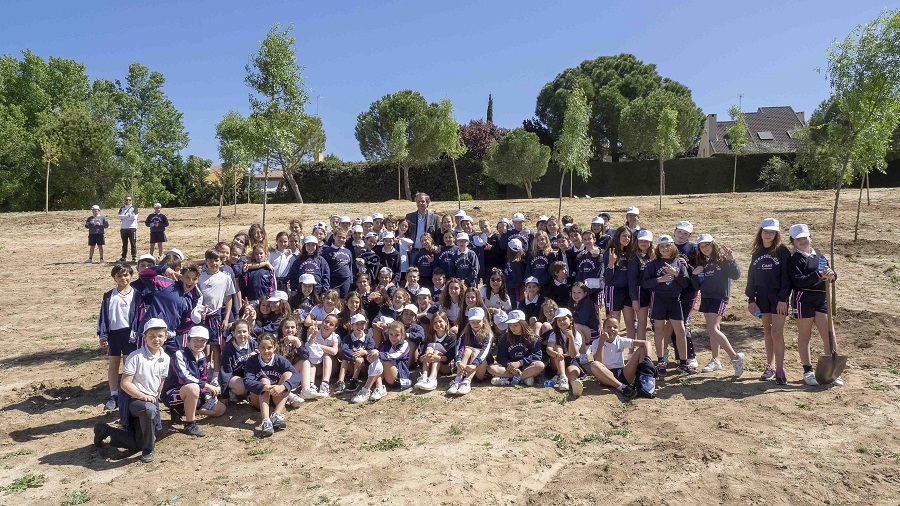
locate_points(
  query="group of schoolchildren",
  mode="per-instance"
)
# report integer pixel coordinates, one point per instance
(355, 306)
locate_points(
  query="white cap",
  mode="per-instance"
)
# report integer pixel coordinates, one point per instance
(387, 235)
(684, 225)
(356, 228)
(562, 312)
(518, 217)
(310, 239)
(198, 331)
(344, 219)
(410, 307)
(462, 236)
(385, 319)
(278, 295)
(459, 213)
(799, 231)
(633, 210)
(423, 291)
(371, 234)
(357, 318)
(505, 220)
(175, 251)
(705, 238)
(465, 217)
(770, 224)
(500, 320)
(154, 323)
(598, 220)
(157, 205)
(95, 207)
(644, 235)
(357, 221)
(515, 317)
(664, 239)
(532, 279)
(147, 256)
(338, 216)
(515, 245)
(367, 219)
(320, 225)
(543, 217)
(307, 279)
(476, 313)
(377, 216)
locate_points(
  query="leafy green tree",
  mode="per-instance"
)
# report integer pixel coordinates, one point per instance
(736, 135)
(639, 124)
(864, 74)
(450, 141)
(666, 142)
(377, 131)
(519, 159)
(609, 83)
(187, 182)
(573, 150)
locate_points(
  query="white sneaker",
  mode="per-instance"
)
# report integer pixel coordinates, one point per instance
(529, 382)
(310, 394)
(563, 385)
(499, 382)
(738, 364)
(421, 383)
(427, 384)
(378, 393)
(361, 396)
(294, 400)
(464, 387)
(324, 389)
(810, 378)
(838, 382)
(693, 362)
(577, 388)
(454, 387)
(713, 365)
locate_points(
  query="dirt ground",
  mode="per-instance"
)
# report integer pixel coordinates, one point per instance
(705, 439)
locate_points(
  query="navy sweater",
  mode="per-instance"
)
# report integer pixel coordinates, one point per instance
(256, 370)
(350, 343)
(770, 272)
(804, 272)
(618, 275)
(657, 268)
(538, 265)
(233, 360)
(315, 265)
(465, 267)
(516, 349)
(716, 282)
(635, 276)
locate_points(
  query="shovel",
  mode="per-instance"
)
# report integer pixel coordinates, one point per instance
(831, 366)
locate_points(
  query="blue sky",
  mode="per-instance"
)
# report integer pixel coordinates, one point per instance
(354, 52)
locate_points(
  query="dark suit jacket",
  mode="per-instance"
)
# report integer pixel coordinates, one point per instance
(432, 224)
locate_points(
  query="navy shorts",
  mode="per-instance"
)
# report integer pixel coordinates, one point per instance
(573, 362)
(119, 342)
(156, 237)
(714, 306)
(619, 373)
(807, 303)
(665, 308)
(617, 297)
(214, 326)
(767, 300)
(645, 297)
(96, 240)
(173, 400)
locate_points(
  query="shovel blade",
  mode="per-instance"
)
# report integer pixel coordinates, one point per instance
(830, 367)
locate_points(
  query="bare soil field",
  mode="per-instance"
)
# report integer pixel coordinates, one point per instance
(705, 439)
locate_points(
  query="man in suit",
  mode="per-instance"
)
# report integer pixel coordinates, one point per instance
(422, 221)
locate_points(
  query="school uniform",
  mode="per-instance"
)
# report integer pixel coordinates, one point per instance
(616, 294)
(234, 359)
(256, 371)
(494, 257)
(281, 261)
(96, 226)
(590, 267)
(315, 265)
(584, 314)
(316, 353)
(521, 235)
(270, 325)
(350, 343)
(447, 345)
(166, 299)
(157, 223)
(516, 349)
(339, 262)
(391, 260)
(445, 259)
(468, 340)
(688, 251)
(116, 321)
(477, 245)
(768, 280)
(567, 360)
(415, 333)
(186, 368)
(493, 300)
(215, 288)
(531, 307)
(370, 265)
(139, 420)
(515, 279)
(559, 292)
(714, 284)
(399, 356)
(425, 262)
(635, 274)
(808, 296)
(538, 265)
(665, 301)
(465, 267)
(613, 355)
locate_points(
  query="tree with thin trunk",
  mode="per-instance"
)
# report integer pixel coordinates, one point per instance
(519, 159)
(736, 136)
(573, 150)
(450, 141)
(490, 109)
(666, 142)
(50, 155)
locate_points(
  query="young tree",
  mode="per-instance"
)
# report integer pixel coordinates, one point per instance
(666, 142)
(573, 149)
(736, 135)
(519, 159)
(864, 74)
(50, 150)
(450, 141)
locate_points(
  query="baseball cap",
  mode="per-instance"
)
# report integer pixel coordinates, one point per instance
(542, 217)
(307, 279)
(157, 205)
(377, 216)
(95, 207)
(459, 213)
(476, 313)
(278, 295)
(518, 217)
(356, 228)
(371, 234)
(500, 320)
(799, 231)
(597, 219)
(344, 219)
(465, 217)
(664, 239)
(367, 219)
(357, 318)
(561, 312)
(387, 235)
(320, 225)
(633, 210)
(532, 279)
(770, 224)
(705, 238)
(410, 307)
(147, 256)
(515, 245)
(515, 317)
(644, 235)
(154, 323)
(462, 236)
(424, 291)
(198, 331)
(310, 239)
(175, 251)
(684, 225)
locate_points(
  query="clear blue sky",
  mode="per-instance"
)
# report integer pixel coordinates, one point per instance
(357, 51)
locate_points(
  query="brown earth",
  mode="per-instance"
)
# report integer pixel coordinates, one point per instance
(706, 439)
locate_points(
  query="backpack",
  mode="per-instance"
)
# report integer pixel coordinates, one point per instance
(645, 379)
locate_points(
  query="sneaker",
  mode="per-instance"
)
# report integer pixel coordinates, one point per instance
(563, 385)
(324, 389)
(112, 403)
(577, 388)
(661, 368)
(361, 396)
(278, 421)
(687, 368)
(101, 430)
(233, 399)
(121, 260)
(310, 394)
(429, 384)
(500, 382)
(693, 362)
(294, 400)
(738, 364)
(629, 392)
(353, 385)
(89, 261)
(266, 429)
(192, 429)
(147, 458)
(529, 382)
(780, 378)
(423, 380)
(768, 374)
(339, 388)
(103, 262)
(838, 382)
(454, 387)
(464, 387)
(378, 393)
(810, 378)
(713, 365)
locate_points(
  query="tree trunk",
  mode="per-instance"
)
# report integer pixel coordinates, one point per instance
(288, 175)
(862, 183)
(47, 190)
(662, 181)
(734, 177)
(868, 199)
(559, 213)
(571, 183)
(406, 182)
(837, 197)
(528, 188)
(265, 191)
(456, 178)
(398, 181)
(221, 202)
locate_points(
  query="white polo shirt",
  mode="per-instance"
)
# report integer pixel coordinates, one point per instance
(148, 370)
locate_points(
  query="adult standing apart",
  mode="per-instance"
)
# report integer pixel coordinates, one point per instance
(422, 221)
(128, 214)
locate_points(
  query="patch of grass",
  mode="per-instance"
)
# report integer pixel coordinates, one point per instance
(284, 482)
(314, 486)
(895, 371)
(319, 426)
(385, 445)
(876, 386)
(753, 451)
(170, 501)
(47, 338)
(875, 452)
(455, 430)
(15, 453)
(685, 381)
(88, 288)
(619, 431)
(421, 399)
(404, 397)
(804, 406)
(590, 437)
(248, 439)
(220, 477)
(260, 451)
(561, 442)
(324, 500)
(560, 399)
(487, 445)
(664, 404)
(768, 440)
(79, 496)
(537, 401)
(24, 483)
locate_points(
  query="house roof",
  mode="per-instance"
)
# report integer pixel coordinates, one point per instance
(768, 127)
